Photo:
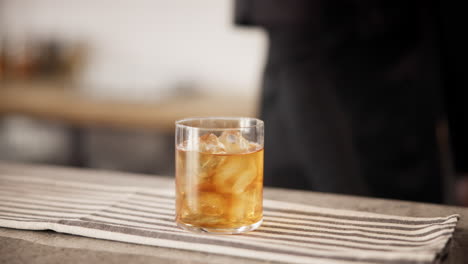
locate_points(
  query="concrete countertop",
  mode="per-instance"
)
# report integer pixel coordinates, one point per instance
(19, 246)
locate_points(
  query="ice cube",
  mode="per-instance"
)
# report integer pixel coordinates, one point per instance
(209, 143)
(204, 208)
(234, 142)
(211, 204)
(207, 168)
(255, 195)
(235, 174)
(210, 162)
(254, 147)
(189, 204)
(246, 205)
(205, 203)
(238, 208)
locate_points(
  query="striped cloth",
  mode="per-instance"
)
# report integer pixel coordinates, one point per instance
(291, 233)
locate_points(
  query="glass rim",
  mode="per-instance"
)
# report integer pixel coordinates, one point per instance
(179, 123)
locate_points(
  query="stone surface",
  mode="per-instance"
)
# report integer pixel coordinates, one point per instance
(19, 246)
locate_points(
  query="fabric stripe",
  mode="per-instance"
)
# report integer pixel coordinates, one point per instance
(53, 200)
(291, 232)
(304, 224)
(248, 236)
(261, 230)
(213, 249)
(355, 218)
(158, 195)
(13, 213)
(294, 218)
(44, 208)
(36, 211)
(433, 228)
(267, 237)
(217, 243)
(353, 233)
(147, 205)
(65, 186)
(49, 204)
(310, 208)
(59, 190)
(279, 242)
(351, 224)
(303, 232)
(282, 235)
(58, 193)
(140, 204)
(376, 218)
(154, 210)
(216, 238)
(68, 183)
(152, 200)
(27, 219)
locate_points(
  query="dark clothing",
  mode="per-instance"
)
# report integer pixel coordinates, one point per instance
(352, 96)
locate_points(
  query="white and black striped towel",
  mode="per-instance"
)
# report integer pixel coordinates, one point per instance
(292, 233)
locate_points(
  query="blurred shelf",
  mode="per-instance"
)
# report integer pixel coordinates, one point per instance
(65, 105)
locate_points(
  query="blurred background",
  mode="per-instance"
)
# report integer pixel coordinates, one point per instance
(99, 83)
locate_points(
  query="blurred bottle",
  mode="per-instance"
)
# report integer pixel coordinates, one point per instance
(27, 59)
(50, 63)
(21, 62)
(73, 58)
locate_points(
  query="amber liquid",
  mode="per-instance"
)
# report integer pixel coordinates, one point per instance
(219, 190)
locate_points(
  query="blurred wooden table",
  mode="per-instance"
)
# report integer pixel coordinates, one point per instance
(67, 106)
(21, 246)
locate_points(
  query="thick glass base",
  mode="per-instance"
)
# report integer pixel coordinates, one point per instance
(219, 231)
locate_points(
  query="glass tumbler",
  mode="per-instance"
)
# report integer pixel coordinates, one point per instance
(219, 174)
